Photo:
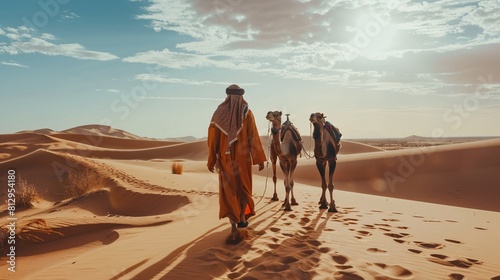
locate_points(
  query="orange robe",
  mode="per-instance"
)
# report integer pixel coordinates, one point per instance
(235, 168)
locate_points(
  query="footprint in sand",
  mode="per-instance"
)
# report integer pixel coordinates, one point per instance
(304, 221)
(349, 221)
(394, 271)
(462, 263)
(314, 242)
(344, 267)
(432, 221)
(363, 233)
(415, 251)
(376, 251)
(340, 259)
(324, 250)
(273, 246)
(274, 229)
(390, 220)
(456, 276)
(454, 241)
(347, 275)
(429, 245)
(383, 225)
(396, 235)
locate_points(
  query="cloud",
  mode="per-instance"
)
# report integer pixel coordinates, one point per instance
(381, 45)
(163, 79)
(169, 59)
(111, 90)
(36, 45)
(486, 16)
(47, 36)
(13, 64)
(183, 98)
(67, 15)
(25, 40)
(180, 60)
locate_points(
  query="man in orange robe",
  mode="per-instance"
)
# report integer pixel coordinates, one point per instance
(234, 146)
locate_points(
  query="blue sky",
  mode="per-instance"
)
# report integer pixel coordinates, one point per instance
(159, 68)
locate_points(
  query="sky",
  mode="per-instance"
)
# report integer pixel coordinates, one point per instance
(159, 68)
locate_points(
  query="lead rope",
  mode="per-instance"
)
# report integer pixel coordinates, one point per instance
(267, 164)
(308, 156)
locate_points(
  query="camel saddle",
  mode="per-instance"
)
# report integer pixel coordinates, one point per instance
(287, 125)
(334, 131)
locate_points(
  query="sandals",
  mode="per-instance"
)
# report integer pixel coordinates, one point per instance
(242, 224)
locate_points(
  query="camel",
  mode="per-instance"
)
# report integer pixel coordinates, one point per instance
(325, 151)
(286, 146)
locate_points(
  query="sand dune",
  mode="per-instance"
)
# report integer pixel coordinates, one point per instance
(144, 222)
(101, 130)
(111, 142)
(461, 175)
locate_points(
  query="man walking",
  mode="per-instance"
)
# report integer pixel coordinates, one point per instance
(234, 146)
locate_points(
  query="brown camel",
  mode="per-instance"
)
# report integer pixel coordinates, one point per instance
(286, 146)
(325, 151)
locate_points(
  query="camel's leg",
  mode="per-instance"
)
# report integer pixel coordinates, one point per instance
(285, 167)
(331, 169)
(321, 165)
(293, 165)
(275, 179)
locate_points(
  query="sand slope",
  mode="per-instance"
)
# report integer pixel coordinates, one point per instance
(147, 223)
(461, 174)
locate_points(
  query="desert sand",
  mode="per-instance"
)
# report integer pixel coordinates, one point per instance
(420, 213)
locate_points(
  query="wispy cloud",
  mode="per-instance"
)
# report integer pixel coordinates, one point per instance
(67, 15)
(163, 79)
(167, 58)
(110, 90)
(13, 64)
(486, 16)
(25, 40)
(183, 98)
(36, 45)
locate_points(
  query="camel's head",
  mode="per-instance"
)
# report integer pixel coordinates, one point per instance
(274, 117)
(318, 118)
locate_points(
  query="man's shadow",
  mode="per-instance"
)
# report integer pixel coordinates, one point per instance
(209, 253)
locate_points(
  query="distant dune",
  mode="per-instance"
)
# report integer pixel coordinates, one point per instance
(419, 213)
